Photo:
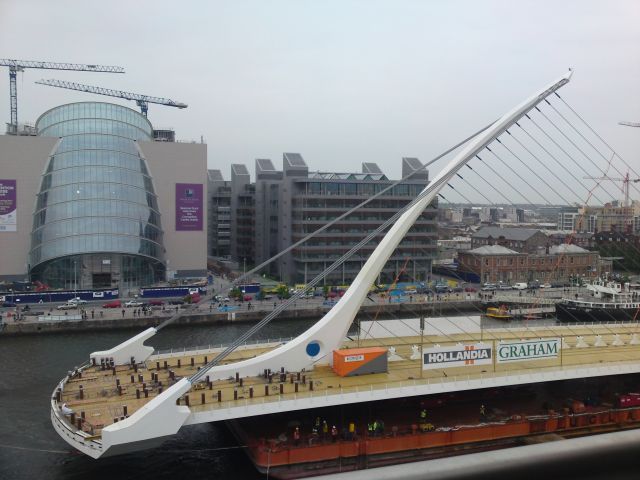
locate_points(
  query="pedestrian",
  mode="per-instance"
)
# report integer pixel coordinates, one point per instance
(334, 434)
(93, 312)
(483, 414)
(296, 436)
(123, 313)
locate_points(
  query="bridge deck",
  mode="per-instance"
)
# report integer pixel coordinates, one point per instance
(102, 403)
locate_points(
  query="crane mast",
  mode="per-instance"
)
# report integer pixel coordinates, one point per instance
(142, 101)
(16, 66)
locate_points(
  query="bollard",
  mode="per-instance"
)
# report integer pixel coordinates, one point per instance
(124, 410)
(157, 365)
(81, 393)
(135, 367)
(281, 369)
(304, 379)
(210, 385)
(144, 385)
(206, 360)
(80, 374)
(237, 377)
(140, 378)
(281, 388)
(146, 393)
(113, 370)
(117, 382)
(119, 389)
(186, 400)
(133, 379)
(250, 392)
(193, 362)
(159, 390)
(292, 378)
(166, 365)
(266, 390)
(240, 382)
(219, 396)
(235, 394)
(208, 381)
(311, 385)
(138, 393)
(296, 387)
(79, 423)
(202, 398)
(298, 376)
(82, 415)
(179, 363)
(73, 418)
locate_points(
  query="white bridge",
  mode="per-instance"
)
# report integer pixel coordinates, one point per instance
(151, 397)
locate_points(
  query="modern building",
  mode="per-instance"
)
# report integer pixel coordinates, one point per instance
(284, 206)
(559, 263)
(100, 204)
(518, 239)
(610, 217)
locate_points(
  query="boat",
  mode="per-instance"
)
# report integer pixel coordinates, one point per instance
(501, 313)
(606, 301)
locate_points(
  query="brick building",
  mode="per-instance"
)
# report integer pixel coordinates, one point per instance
(527, 240)
(495, 263)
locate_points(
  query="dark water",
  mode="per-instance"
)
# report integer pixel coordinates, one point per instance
(31, 366)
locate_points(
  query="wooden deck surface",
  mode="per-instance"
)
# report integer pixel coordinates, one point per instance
(103, 403)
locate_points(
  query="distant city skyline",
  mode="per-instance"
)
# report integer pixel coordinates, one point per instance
(339, 82)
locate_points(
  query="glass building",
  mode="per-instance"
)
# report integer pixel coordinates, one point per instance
(96, 222)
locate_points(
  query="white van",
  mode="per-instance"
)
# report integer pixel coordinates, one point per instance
(520, 286)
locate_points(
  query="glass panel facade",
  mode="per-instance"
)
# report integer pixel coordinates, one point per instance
(96, 223)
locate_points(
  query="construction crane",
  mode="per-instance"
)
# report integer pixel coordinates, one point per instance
(16, 66)
(143, 101)
(629, 124)
(625, 184)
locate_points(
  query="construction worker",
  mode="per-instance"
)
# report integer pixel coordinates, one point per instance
(370, 429)
(352, 430)
(317, 424)
(483, 413)
(334, 434)
(423, 415)
(325, 429)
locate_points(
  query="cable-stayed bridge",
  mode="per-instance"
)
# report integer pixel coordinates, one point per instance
(537, 153)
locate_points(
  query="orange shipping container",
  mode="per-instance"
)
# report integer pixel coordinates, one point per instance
(360, 361)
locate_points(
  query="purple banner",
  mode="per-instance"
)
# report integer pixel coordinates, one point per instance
(8, 206)
(189, 211)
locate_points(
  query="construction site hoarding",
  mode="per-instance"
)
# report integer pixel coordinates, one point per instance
(459, 355)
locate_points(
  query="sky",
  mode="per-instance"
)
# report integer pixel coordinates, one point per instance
(340, 82)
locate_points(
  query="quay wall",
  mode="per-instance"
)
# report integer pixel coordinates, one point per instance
(204, 317)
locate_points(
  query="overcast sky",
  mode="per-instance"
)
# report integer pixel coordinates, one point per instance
(340, 82)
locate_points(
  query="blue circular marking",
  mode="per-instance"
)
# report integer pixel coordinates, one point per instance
(313, 349)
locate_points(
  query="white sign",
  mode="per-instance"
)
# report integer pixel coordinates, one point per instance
(527, 350)
(460, 355)
(353, 358)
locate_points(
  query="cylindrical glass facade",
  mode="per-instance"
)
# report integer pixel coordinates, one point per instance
(96, 222)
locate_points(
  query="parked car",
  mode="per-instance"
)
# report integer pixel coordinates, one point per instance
(113, 304)
(9, 304)
(247, 298)
(155, 303)
(133, 303)
(470, 289)
(457, 289)
(77, 301)
(504, 287)
(545, 285)
(520, 286)
(489, 287)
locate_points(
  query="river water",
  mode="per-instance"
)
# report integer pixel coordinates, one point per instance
(30, 448)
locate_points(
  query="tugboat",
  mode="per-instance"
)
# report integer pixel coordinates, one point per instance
(501, 313)
(608, 301)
